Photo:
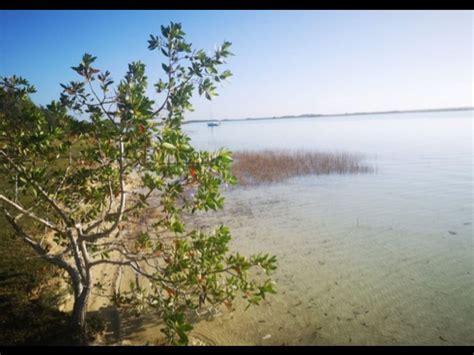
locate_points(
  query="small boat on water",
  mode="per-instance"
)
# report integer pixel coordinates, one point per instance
(213, 124)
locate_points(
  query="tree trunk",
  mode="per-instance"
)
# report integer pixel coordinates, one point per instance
(79, 320)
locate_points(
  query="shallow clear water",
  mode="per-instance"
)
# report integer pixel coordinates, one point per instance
(383, 258)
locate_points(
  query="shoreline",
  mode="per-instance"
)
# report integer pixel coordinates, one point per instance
(309, 115)
(321, 269)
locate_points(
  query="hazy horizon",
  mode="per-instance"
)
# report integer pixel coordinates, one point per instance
(285, 63)
(309, 114)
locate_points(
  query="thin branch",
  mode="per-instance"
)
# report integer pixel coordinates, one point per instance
(101, 103)
(93, 237)
(54, 259)
(21, 215)
(61, 184)
(30, 214)
(111, 262)
(67, 220)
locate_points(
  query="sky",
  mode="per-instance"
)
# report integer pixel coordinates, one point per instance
(285, 63)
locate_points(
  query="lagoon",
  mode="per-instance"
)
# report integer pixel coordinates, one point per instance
(383, 258)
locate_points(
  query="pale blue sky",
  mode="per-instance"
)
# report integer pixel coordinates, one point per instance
(286, 62)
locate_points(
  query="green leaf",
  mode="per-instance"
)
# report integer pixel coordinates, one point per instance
(190, 263)
(168, 146)
(165, 68)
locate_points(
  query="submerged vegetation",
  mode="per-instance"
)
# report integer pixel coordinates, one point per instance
(269, 166)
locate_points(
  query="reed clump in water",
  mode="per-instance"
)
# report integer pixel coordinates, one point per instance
(268, 166)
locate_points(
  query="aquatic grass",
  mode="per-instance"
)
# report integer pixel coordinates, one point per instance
(270, 166)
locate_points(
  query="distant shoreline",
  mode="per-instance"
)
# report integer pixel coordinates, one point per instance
(334, 115)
